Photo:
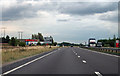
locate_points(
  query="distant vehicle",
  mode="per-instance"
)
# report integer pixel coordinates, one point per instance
(99, 44)
(92, 42)
(86, 46)
(71, 45)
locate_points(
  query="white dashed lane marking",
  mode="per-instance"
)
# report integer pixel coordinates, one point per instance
(84, 61)
(78, 56)
(73, 51)
(59, 49)
(98, 74)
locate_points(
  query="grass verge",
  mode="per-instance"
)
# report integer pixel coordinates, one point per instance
(10, 55)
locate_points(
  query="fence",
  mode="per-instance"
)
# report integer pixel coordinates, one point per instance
(103, 49)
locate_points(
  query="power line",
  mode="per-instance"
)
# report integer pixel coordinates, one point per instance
(4, 28)
(1, 33)
(20, 34)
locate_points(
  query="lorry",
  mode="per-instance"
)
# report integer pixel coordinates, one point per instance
(99, 44)
(92, 42)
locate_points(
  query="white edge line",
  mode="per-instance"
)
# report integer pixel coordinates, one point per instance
(100, 52)
(98, 73)
(27, 63)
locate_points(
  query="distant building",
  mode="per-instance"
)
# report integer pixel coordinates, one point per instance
(31, 41)
(48, 40)
(38, 38)
(22, 40)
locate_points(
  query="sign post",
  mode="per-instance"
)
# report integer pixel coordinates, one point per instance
(117, 43)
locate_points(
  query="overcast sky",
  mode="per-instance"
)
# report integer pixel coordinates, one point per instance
(73, 21)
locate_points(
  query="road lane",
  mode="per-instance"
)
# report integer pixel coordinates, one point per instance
(64, 61)
(72, 60)
(100, 62)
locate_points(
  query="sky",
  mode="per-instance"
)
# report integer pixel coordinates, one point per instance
(72, 21)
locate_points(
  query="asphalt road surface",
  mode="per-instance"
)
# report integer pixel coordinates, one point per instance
(71, 60)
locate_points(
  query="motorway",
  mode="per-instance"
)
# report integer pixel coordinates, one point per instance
(71, 60)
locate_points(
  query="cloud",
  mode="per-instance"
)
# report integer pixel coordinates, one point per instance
(62, 20)
(86, 8)
(18, 12)
(27, 9)
(66, 20)
(110, 16)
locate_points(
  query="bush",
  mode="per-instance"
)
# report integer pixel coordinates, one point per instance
(38, 43)
(106, 45)
(33, 44)
(22, 44)
(13, 41)
(55, 43)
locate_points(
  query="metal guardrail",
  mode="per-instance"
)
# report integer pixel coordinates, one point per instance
(114, 50)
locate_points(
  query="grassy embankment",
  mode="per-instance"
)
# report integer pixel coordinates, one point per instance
(12, 54)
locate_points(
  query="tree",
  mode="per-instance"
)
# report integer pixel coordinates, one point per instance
(81, 44)
(114, 38)
(0, 40)
(109, 38)
(33, 36)
(108, 42)
(7, 39)
(3, 40)
(22, 44)
(38, 43)
(13, 41)
(40, 37)
(52, 39)
(55, 43)
(65, 44)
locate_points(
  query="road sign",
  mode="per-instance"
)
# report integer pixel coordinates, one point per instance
(117, 43)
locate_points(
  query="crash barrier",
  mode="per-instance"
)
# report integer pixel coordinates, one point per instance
(113, 50)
